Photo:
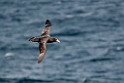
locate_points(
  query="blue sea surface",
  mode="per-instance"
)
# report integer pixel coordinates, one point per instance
(91, 34)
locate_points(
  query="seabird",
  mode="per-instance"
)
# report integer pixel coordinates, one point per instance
(43, 40)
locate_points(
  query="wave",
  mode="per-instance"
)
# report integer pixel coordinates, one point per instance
(32, 80)
(29, 80)
(23, 80)
(74, 33)
(101, 59)
(17, 46)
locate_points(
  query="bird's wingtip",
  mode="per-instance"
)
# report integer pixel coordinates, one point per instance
(38, 62)
(48, 22)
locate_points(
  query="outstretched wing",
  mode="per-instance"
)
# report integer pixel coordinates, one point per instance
(46, 30)
(34, 39)
(42, 49)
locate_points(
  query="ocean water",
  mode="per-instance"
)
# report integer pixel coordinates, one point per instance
(91, 34)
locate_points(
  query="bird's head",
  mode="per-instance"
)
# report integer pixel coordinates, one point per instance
(51, 40)
(57, 40)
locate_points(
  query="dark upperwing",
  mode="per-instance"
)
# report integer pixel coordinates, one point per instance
(42, 48)
(47, 28)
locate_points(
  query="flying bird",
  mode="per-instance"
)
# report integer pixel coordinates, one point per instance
(43, 40)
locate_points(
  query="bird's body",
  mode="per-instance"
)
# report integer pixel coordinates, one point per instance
(43, 40)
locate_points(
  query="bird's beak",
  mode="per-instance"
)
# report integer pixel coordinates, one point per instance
(57, 41)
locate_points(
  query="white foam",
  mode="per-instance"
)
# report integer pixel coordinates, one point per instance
(59, 2)
(119, 48)
(9, 54)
